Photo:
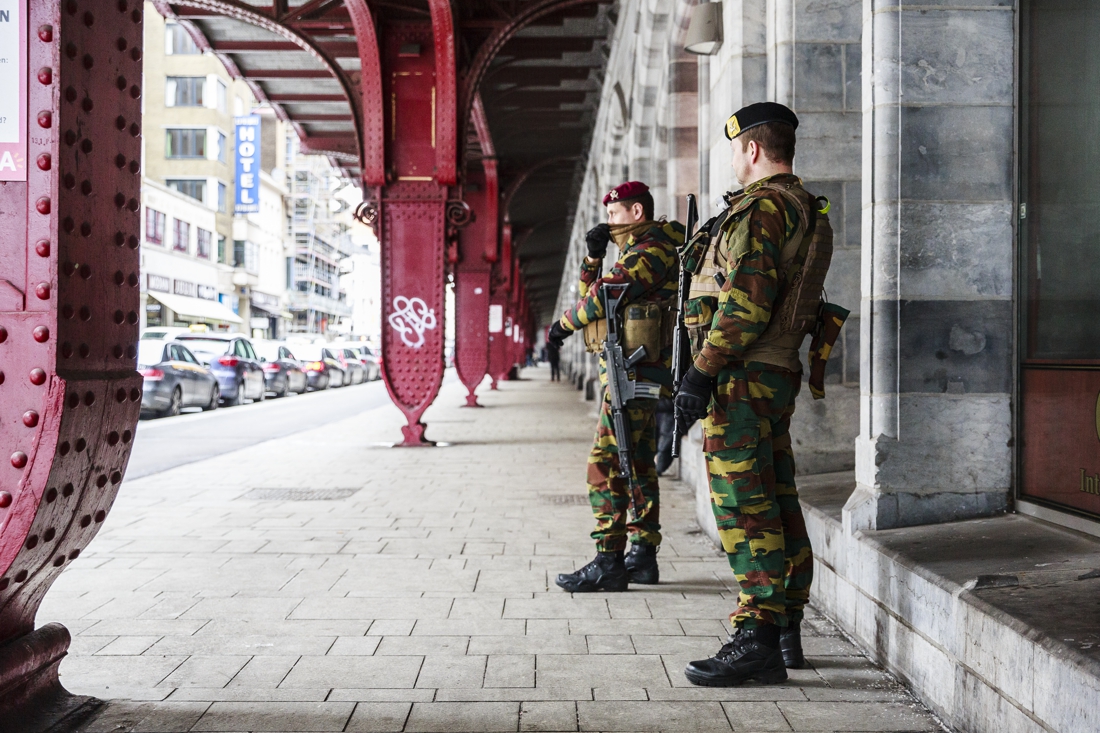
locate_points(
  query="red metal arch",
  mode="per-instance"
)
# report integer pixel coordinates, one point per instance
(247, 14)
(446, 81)
(488, 50)
(373, 156)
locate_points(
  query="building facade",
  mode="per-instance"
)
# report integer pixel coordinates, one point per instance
(955, 143)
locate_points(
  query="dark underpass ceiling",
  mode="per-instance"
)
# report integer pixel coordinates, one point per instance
(541, 95)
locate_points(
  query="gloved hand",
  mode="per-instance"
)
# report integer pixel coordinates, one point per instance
(597, 239)
(558, 334)
(693, 398)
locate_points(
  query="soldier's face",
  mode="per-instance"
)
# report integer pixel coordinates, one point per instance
(619, 214)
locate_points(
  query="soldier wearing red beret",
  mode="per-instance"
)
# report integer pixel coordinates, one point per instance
(649, 265)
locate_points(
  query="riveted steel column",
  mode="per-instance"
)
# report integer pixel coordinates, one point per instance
(412, 226)
(68, 317)
(473, 280)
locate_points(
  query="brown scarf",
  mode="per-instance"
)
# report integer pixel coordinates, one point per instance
(621, 233)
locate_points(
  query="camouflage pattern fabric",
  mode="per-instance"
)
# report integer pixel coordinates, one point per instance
(744, 305)
(650, 266)
(608, 492)
(751, 468)
(747, 433)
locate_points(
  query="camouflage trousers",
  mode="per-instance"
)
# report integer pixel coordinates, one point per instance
(750, 462)
(609, 493)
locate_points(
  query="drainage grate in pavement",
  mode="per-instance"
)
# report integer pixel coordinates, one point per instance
(298, 494)
(565, 499)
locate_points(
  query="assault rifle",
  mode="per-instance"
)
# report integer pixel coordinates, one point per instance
(622, 388)
(679, 338)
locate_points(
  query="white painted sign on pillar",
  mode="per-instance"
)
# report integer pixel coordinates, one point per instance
(13, 90)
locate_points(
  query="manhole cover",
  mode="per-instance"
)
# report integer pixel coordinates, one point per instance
(565, 499)
(298, 494)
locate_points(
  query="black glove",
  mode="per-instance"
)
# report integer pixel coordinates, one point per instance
(558, 334)
(693, 398)
(597, 239)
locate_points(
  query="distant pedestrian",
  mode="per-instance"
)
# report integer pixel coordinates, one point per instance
(553, 355)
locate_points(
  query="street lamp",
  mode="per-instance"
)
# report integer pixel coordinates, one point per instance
(704, 36)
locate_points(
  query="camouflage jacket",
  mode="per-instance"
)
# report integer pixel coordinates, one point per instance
(743, 307)
(650, 265)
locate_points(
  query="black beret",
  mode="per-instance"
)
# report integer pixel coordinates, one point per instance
(758, 114)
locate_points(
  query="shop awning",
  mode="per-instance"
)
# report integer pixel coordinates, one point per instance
(203, 310)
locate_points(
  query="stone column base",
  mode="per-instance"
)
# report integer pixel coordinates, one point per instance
(32, 699)
(868, 509)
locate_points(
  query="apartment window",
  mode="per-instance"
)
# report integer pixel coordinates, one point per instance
(194, 189)
(223, 198)
(222, 146)
(178, 41)
(246, 255)
(221, 96)
(154, 226)
(185, 143)
(203, 239)
(181, 236)
(184, 91)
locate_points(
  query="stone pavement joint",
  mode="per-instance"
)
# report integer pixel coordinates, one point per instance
(422, 602)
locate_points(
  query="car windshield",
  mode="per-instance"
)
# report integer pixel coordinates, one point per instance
(268, 350)
(207, 349)
(149, 353)
(308, 352)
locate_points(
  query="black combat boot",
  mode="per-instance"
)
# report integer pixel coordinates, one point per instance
(641, 564)
(607, 573)
(749, 654)
(790, 642)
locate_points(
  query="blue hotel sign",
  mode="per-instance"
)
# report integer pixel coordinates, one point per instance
(247, 157)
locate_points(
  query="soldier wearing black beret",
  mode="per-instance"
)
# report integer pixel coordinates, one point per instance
(748, 264)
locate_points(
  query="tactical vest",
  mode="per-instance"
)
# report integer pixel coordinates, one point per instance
(803, 264)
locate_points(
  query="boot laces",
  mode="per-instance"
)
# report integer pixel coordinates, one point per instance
(734, 644)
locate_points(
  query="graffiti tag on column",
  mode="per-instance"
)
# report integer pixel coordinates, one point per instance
(411, 317)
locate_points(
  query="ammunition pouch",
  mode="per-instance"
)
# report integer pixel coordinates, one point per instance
(595, 333)
(651, 324)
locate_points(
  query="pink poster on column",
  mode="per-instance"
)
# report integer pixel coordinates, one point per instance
(13, 90)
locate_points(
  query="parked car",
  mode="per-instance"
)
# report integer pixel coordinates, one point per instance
(353, 365)
(163, 333)
(283, 373)
(174, 379)
(321, 366)
(371, 368)
(233, 362)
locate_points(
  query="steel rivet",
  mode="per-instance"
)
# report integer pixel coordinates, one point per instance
(100, 515)
(42, 249)
(119, 277)
(68, 225)
(45, 33)
(70, 94)
(32, 542)
(120, 122)
(85, 313)
(132, 280)
(86, 105)
(120, 160)
(101, 481)
(120, 396)
(122, 45)
(86, 189)
(30, 418)
(126, 434)
(45, 162)
(81, 444)
(48, 535)
(85, 520)
(59, 561)
(89, 19)
(135, 395)
(131, 353)
(84, 351)
(116, 477)
(70, 50)
(135, 129)
(42, 290)
(3, 334)
(43, 205)
(116, 351)
(70, 7)
(45, 75)
(85, 271)
(135, 91)
(66, 350)
(41, 334)
(86, 145)
(112, 437)
(67, 490)
(19, 459)
(135, 53)
(37, 376)
(5, 499)
(119, 317)
(89, 398)
(132, 318)
(74, 402)
(51, 496)
(120, 83)
(86, 228)
(68, 181)
(135, 167)
(136, 16)
(120, 200)
(133, 205)
(132, 242)
(20, 576)
(67, 311)
(70, 137)
(68, 268)
(89, 62)
(74, 554)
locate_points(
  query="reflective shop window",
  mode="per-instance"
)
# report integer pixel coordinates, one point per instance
(196, 189)
(178, 41)
(185, 143)
(154, 226)
(184, 91)
(1058, 427)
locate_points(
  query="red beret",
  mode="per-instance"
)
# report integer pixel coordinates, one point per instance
(627, 190)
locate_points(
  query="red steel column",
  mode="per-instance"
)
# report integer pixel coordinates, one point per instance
(499, 322)
(412, 222)
(478, 245)
(68, 315)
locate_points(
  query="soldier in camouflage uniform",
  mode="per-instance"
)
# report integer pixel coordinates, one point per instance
(743, 383)
(648, 264)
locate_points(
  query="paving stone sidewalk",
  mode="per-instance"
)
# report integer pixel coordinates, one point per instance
(421, 601)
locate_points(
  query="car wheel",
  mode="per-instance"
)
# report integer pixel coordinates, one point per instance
(237, 398)
(215, 394)
(175, 405)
